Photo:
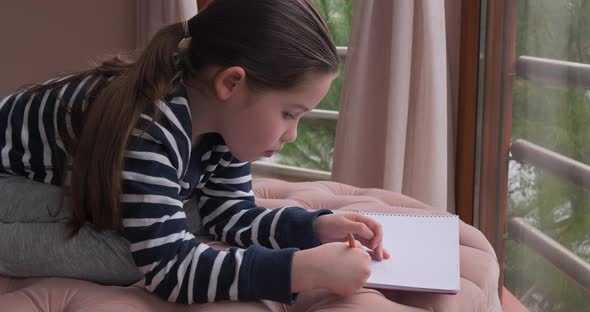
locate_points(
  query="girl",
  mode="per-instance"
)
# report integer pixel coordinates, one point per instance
(131, 142)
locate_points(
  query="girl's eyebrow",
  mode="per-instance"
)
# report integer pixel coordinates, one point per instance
(303, 107)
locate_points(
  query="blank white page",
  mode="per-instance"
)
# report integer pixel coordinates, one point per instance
(424, 253)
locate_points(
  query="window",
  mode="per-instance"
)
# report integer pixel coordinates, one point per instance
(534, 99)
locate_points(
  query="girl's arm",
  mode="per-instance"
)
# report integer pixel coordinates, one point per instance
(229, 212)
(177, 266)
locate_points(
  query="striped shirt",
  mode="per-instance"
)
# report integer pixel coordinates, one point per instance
(162, 170)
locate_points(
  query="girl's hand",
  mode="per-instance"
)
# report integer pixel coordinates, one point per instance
(334, 266)
(335, 228)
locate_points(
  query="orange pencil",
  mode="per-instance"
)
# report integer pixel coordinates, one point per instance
(351, 243)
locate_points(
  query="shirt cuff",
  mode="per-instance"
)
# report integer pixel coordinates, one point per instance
(296, 227)
(266, 274)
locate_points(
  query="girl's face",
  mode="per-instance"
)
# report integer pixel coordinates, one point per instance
(261, 123)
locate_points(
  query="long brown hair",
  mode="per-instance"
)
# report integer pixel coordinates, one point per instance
(276, 42)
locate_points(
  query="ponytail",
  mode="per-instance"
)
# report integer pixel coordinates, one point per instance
(98, 155)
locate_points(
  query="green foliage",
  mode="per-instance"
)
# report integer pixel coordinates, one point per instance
(338, 16)
(557, 118)
(313, 149)
(314, 146)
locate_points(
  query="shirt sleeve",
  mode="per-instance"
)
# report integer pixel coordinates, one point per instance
(229, 212)
(177, 266)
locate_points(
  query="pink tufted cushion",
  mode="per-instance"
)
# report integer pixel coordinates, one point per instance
(479, 268)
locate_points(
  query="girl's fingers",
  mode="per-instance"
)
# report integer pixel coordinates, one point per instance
(366, 242)
(362, 230)
(370, 234)
(373, 242)
(378, 253)
(378, 231)
(381, 252)
(371, 225)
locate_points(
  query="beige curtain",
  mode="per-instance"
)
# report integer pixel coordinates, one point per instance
(397, 124)
(153, 14)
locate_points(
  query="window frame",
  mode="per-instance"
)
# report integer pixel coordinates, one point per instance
(488, 34)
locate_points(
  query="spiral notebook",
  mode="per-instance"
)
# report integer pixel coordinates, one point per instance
(424, 253)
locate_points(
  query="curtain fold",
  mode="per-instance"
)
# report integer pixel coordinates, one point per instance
(154, 14)
(396, 128)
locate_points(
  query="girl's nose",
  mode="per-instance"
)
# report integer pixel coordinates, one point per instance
(290, 135)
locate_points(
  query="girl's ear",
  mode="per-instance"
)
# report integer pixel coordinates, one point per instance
(226, 82)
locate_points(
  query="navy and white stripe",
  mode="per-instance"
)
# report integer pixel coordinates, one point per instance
(161, 171)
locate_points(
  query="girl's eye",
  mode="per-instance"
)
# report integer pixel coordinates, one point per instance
(289, 116)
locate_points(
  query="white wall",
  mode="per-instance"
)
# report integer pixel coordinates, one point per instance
(40, 39)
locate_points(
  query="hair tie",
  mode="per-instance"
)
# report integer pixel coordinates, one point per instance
(183, 45)
(184, 24)
(184, 42)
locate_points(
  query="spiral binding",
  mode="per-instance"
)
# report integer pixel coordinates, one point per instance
(369, 213)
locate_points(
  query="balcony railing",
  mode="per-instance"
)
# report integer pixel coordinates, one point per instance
(320, 117)
(554, 71)
(563, 167)
(566, 261)
(342, 52)
(570, 170)
(290, 173)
